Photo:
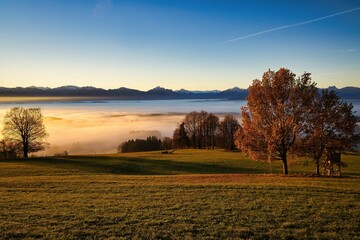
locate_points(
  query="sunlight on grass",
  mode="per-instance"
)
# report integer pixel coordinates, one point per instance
(117, 196)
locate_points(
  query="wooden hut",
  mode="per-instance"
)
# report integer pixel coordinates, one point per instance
(332, 162)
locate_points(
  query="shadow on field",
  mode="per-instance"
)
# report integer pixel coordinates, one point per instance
(134, 165)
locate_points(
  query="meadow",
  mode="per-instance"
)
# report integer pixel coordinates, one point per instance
(189, 194)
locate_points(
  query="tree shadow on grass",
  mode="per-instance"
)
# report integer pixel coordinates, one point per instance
(135, 165)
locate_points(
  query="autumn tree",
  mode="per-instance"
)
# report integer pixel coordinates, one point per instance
(277, 108)
(227, 129)
(25, 127)
(331, 125)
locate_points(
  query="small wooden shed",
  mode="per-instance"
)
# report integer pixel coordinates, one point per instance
(332, 162)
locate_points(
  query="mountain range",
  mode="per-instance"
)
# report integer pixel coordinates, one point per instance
(157, 93)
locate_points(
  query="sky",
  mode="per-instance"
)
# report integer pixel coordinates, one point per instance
(190, 44)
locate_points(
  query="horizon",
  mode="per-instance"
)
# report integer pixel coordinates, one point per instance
(145, 90)
(139, 44)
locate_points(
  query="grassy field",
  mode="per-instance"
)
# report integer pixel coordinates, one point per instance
(185, 195)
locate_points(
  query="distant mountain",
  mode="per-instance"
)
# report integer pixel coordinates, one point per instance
(152, 94)
(162, 93)
(234, 93)
(347, 92)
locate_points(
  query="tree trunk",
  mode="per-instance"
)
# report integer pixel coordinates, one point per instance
(25, 151)
(318, 167)
(285, 166)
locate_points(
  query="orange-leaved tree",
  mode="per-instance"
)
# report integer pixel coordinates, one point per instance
(276, 112)
(332, 125)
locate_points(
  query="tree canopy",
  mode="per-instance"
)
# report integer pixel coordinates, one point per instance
(331, 126)
(277, 108)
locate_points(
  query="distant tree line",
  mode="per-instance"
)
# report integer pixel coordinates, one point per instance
(204, 130)
(200, 130)
(151, 143)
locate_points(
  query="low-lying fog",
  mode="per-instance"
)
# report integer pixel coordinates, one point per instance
(100, 126)
(97, 132)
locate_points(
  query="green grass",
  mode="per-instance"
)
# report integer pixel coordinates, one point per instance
(180, 162)
(188, 194)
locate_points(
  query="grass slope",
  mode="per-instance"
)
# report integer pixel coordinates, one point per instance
(187, 194)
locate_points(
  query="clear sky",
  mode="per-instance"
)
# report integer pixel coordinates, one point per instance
(191, 44)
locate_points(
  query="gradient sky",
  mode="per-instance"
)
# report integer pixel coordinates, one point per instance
(196, 45)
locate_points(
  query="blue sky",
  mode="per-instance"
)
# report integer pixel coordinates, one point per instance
(194, 44)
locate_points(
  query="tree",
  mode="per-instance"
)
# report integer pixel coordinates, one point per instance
(191, 126)
(212, 124)
(180, 137)
(331, 125)
(228, 127)
(25, 127)
(167, 143)
(151, 143)
(8, 149)
(277, 108)
(201, 129)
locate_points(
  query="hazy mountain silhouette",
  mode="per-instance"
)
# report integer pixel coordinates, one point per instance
(152, 94)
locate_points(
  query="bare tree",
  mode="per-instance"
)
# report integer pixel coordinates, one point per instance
(191, 126)
(275, 115)
(228, 127)
(202, 129)
(26, 128)
(8, 149)
(167, 143)
(212, 124)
